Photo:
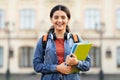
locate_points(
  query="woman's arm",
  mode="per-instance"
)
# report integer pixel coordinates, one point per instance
(82, 65)
(38, 61)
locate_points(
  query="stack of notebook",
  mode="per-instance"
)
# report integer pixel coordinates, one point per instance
(81, 51)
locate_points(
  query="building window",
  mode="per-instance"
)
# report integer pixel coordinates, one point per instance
(1, 56)
(2, 19)
(95, 56)
(118, 19)
(92, 19)
(27, 19)
(26, 57)
(118, 57)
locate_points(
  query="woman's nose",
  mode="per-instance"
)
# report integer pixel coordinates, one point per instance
(60, 20)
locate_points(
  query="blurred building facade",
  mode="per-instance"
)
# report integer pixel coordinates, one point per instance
(97, 21)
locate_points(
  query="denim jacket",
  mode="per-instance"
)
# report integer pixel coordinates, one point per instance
(45, 61)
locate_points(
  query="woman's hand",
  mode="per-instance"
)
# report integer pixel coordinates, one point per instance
(64, 69)
(71, 60)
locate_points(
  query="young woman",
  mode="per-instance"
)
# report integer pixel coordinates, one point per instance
(54, 61)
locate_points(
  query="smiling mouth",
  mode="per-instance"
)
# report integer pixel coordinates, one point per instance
(59, 25)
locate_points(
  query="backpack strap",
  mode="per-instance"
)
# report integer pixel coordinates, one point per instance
(44, 40)
(75, 38)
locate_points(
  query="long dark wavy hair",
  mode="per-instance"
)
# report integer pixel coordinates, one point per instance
(62, 8)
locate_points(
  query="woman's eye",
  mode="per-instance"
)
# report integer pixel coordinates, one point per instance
(63, 17)
(55, 17)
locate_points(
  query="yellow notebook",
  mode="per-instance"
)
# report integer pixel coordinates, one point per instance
(81, 51)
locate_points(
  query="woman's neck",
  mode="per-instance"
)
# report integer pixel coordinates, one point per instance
(60, 34)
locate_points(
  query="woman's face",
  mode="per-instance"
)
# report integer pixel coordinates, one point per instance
(59, 20)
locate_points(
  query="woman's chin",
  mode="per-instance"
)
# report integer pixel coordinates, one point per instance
(60, 28)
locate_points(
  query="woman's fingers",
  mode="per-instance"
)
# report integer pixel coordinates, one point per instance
(64, 69)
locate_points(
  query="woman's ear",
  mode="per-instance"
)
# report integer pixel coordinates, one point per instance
(51, 20)
(68, 21)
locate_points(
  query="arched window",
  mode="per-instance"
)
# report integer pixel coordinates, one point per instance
(2, 19)
(118, 57)
(1, 56)
(92, 18)
(118, 18)
(27, 19)
(95, 56)
(26, 57)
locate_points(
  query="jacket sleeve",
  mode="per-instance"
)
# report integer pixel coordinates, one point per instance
(38, 60)
(84, 65)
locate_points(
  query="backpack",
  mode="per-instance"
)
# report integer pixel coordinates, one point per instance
(45, 38)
